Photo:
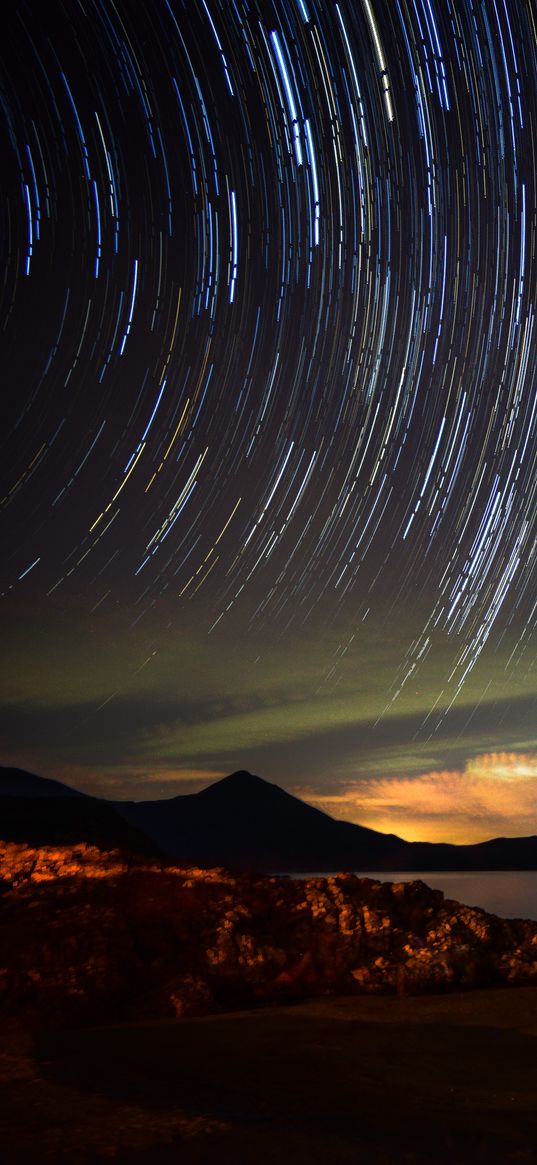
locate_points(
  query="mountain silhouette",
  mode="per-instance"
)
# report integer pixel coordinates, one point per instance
(246, 822)
(242, 822)
(19, 783)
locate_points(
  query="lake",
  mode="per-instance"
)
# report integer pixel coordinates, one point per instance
(508, 893)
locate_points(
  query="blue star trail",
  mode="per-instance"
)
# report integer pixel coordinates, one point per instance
(268, 325)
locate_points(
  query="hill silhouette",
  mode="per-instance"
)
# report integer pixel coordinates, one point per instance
(39, 811)
(240, 821)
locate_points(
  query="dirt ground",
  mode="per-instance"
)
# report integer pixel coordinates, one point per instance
(361, 1081)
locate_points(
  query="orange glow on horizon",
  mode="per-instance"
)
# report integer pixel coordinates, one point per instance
(494, 796)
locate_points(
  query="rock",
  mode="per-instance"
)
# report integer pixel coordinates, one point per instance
(191, 996)
(88, 935)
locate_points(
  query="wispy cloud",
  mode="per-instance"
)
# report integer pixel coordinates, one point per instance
(495, 794)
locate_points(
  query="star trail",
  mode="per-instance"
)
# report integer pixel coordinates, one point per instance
(269, 389)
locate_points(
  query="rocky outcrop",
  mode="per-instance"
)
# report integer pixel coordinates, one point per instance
(87, 935)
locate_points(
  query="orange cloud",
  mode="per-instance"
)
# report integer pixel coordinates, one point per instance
(495, 795)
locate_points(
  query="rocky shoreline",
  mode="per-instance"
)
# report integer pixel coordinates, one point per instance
(91, 936)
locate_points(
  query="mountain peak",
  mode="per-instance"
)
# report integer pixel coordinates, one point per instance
(243, 777)
(240, 783)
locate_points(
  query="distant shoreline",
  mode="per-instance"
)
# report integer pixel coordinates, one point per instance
(507, 893)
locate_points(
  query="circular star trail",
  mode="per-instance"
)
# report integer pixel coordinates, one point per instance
(268, 318)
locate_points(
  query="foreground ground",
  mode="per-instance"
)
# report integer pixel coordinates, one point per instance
(383, 1081)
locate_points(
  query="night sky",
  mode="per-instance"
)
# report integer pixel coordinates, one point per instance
(269, 402)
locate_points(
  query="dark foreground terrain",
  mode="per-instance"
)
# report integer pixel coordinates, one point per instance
(383, 1081)
(387, 1024)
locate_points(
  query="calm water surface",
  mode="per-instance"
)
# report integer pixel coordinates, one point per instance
(509, 893)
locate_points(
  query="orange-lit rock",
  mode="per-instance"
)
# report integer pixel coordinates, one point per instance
(92, 935)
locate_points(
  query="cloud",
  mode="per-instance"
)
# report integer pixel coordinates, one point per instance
(136, 781)
(140, 784)
(505, 766)
(495, 795)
